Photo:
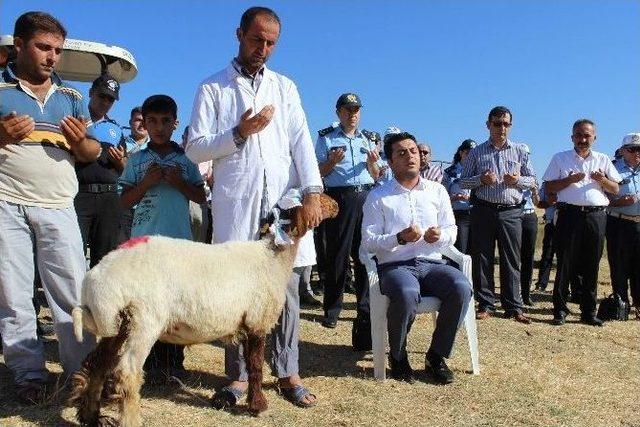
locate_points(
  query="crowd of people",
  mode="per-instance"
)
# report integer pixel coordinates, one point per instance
(73, 186)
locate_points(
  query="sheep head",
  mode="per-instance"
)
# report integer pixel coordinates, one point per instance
(298, 228)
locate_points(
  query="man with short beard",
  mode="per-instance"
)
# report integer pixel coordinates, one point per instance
(580, 177)
(407, 220)
(43, 132)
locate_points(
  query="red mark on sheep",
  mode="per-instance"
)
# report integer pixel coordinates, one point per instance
(134, 242)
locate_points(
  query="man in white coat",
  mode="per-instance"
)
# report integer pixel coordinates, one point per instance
(256, 159)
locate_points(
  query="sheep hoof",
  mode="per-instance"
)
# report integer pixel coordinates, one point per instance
(258, 405)
(107, 421)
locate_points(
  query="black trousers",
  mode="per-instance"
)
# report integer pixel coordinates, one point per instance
(489, 225)
(99, 220)
(343, 235)
(623, 251)
(164, 357)
(580, 241)
(546, 258)
(463, 222)
(527, 251)
(320, 241)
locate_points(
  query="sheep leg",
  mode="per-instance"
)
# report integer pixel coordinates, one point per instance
(254, 348)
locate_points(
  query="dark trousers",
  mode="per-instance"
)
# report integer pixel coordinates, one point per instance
(580, 241)
(320, 241)
(343, 236)
(487, 226)
(463, 222)
(99, 220)
(546, 258)
(164, 357)
(404, 283)
(527, 251)
(623, 251)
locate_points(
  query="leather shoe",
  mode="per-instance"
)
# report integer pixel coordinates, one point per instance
(401, 370)
(307, 299)
(528, 302)
(483, 314)
(438, 369)
(559, 319)
(518, 317)
(591, 320)
(329, 323)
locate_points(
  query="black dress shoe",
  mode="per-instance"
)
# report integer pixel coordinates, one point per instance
(528, 302)
(329, 323)
(401, 370)
(591, 320)
(438, 369)
(559, 319)
(308, 300)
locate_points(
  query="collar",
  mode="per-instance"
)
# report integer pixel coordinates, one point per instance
(356, 133)
(9, 75)
(628, 166)
(421, 185)
(176, 148)
(578, 156)
(244, 73)
(507, 144)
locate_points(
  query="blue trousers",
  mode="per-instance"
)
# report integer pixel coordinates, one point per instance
(405, 282)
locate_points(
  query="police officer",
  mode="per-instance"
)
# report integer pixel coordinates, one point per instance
(97, 203)
(623, 225)
(348, 165)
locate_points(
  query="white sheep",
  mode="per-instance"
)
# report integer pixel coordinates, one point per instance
(179, 292)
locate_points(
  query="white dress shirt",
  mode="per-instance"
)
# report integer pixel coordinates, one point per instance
(586, 192)
(390, 208)
(266, 166)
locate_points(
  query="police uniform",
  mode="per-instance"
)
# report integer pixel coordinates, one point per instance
(348, 183)
(623, 231)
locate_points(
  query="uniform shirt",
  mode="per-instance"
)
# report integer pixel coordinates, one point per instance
(629, 185)
(102, 171)
(586, 192)
(261, 170)
(133, 147)
(390, 208)
(39, 170)
(511, 157)
(451, 181)
(163, 209)
(352, 169)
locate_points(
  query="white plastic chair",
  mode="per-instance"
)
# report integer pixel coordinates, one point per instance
(379, 304)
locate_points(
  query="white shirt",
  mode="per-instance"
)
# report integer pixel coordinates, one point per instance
(390, 208)
(281, 155)
(586, 192)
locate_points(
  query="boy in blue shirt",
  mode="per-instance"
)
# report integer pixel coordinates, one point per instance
(161, 180)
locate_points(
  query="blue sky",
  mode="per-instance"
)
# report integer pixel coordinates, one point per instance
(433, 68)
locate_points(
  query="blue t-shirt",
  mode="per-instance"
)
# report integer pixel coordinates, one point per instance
(163, 209)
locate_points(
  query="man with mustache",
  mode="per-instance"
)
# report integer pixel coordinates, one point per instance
(581, 178)
(249, 120)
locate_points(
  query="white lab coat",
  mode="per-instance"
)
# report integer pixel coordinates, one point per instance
(282, 152)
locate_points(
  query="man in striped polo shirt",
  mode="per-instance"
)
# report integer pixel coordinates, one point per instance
(43, 131)
(497, 171)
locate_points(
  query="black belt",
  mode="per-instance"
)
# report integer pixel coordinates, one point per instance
(577, 208)
(496, 206)
(99, 188)
(350, 188)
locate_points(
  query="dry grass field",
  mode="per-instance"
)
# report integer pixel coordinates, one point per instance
(531, 375)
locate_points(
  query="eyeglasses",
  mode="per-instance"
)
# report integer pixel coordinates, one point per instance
(501, 124)
(423, 152)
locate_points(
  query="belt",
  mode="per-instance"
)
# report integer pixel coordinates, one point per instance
(99, 188)
(634, 218)
(351, 188)
(496, 206)
(577, 208)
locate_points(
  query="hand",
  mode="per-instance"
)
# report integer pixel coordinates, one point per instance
(336, 156)
(627, 200)
(117, 155)
(552, 198)
(74, 130)
(411, 234)
(173, 176)
(152, 176)
(574, 177)
(249, 126)
(598, 175)
(14, 128)
(372, 157)
(488, 177)
(511, 178)
(311, 211)
(459, 196)
(432, 234)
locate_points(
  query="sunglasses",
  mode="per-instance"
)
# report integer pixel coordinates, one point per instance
(501, 124)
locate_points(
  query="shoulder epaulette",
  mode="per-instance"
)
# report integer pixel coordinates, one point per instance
(5, 85)
(370, 135)
(70, 91)
(323, 132)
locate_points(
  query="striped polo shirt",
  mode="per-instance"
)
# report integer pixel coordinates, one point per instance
(39, 170)
(511, 157)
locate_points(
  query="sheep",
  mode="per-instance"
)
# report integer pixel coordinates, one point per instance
(180, 292)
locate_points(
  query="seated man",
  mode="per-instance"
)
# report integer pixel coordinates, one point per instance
(406, 221)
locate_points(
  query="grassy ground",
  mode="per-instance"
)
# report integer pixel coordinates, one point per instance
(531, 375)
